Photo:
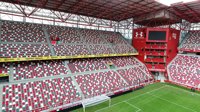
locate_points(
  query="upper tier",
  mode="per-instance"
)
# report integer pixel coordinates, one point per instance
(191, 42)
(34, 40)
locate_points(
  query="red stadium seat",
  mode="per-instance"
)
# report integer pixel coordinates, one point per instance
(184, 69)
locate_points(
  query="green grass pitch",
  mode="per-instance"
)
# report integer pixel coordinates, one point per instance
(157, 97)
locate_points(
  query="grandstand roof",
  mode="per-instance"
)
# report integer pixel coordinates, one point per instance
(116, 10)
(189, 11)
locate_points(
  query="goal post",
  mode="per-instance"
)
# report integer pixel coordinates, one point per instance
(95, 101)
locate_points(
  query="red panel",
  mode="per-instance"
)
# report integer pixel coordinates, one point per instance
(156, 54)
(172, 47)
(139, 42)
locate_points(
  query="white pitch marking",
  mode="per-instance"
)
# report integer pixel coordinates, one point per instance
(133, 106)
(183, 90)
(131, 98)
(172, 102)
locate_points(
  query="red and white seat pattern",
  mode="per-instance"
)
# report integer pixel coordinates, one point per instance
(100, 49)
(187, 60)
(97, 40)
(63, 49)
(92, 36)
(21, 32)
(192, 42)
(65, 34)
(4, 68)
(100, 83)
(190, 47)
(84, 65)
(27, 70)
(144, 69)
(24, 50)
(185, 70)
(113, 37)
(124, 61)
(134, 76)
(39, 95)
(28, 40)
(122, 49)
(37, 69)
(48, 93)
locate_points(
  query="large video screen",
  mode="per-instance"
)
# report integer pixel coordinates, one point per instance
(157, 35)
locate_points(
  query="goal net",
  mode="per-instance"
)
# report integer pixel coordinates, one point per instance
(95, 101)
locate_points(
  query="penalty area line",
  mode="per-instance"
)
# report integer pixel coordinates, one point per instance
(132, 98)
(138, 109)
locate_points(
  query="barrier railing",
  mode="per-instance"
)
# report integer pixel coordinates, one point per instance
(62, 57)
(4, 75)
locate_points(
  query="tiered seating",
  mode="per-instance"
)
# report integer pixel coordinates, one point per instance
(15, 32)
(4, 68)
(186, 60)
(24, 50)
(185, 70)
(144, 69)
(98, 41)
(122, 49)
(92, 75)
(21, 32)
(114, 38)
(124, 61)
(65, 34)
(192, 42)
(92, 36)
(63, 49)
(190, 47)
(83, 65)
(100, 83)
(72, 41)
(27, 70)
(39, 95)
(134, 76)
(100, 49)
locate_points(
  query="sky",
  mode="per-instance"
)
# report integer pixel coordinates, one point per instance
(169, 2)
